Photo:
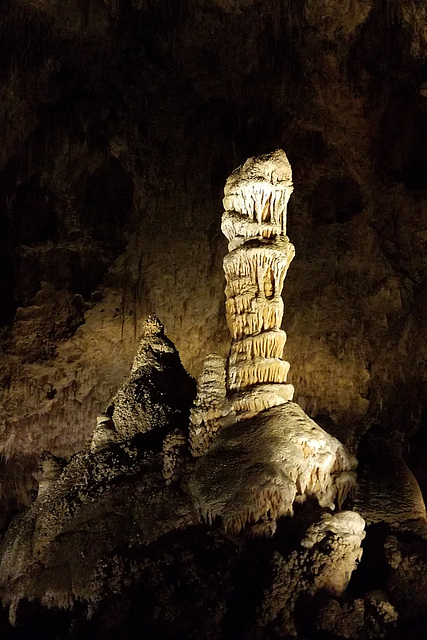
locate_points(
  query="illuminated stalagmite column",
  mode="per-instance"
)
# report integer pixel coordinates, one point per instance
(258, 452)
(254, 222)
(256, 196)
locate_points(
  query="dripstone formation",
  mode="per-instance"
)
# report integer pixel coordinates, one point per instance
(254, 222)
(259, 452)
(119, 543)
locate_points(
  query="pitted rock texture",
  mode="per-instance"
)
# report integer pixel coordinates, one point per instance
(332, 551)
(101, 500)
(158, 391)
(370, 617)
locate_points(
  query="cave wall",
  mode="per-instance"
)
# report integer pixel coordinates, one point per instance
(120, 121)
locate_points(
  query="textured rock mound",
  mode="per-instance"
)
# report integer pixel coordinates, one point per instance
(406, 557)
(53, 553)
(111, 493)
(332, 549)
(257, 469)
(370, 617)
(158, 392)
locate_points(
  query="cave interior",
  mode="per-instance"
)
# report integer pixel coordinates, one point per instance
(120, 123)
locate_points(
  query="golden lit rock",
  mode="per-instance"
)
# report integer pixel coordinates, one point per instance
(259, 453)
(331, 550)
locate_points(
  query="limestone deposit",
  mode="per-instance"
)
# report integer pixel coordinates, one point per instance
(120, 123)
(260, 452)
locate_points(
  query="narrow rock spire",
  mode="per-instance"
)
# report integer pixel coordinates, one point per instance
(254, 222)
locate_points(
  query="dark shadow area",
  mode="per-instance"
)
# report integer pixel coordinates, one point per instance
(417, 455)
(400, 146)
(108, 201)
(336, 200)
(7, 279)
(381, 48)
(33, 213)
(373, 570)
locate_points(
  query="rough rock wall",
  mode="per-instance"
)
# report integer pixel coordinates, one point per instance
(119, 123)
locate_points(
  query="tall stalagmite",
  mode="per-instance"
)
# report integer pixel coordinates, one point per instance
(258, 451)
(254, 222)
(256, 196)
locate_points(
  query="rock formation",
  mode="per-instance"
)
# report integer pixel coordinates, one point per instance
(158, 389)
(259, 452)
(255, 201)
(370, 617)
(388, 491)
(104, 432)
(175, 447)
(112, 546)
(121, 120)
(332, 549)
(50, 469)
(113, 492)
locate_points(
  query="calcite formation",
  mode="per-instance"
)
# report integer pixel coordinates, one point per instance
(110, 494)
(330, 552)
(175, 447)
(259, 452)
(370, 617)
(257, 469)
(49, 470)
(255, 201)
(388, 490)
(158, 391)
(254, 222)
(256, 196)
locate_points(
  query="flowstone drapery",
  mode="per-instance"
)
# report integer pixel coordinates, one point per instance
(258, 452)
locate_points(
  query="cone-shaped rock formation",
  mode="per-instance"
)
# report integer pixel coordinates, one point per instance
(158, 390)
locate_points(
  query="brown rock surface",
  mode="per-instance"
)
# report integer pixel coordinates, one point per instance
(121, 122)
